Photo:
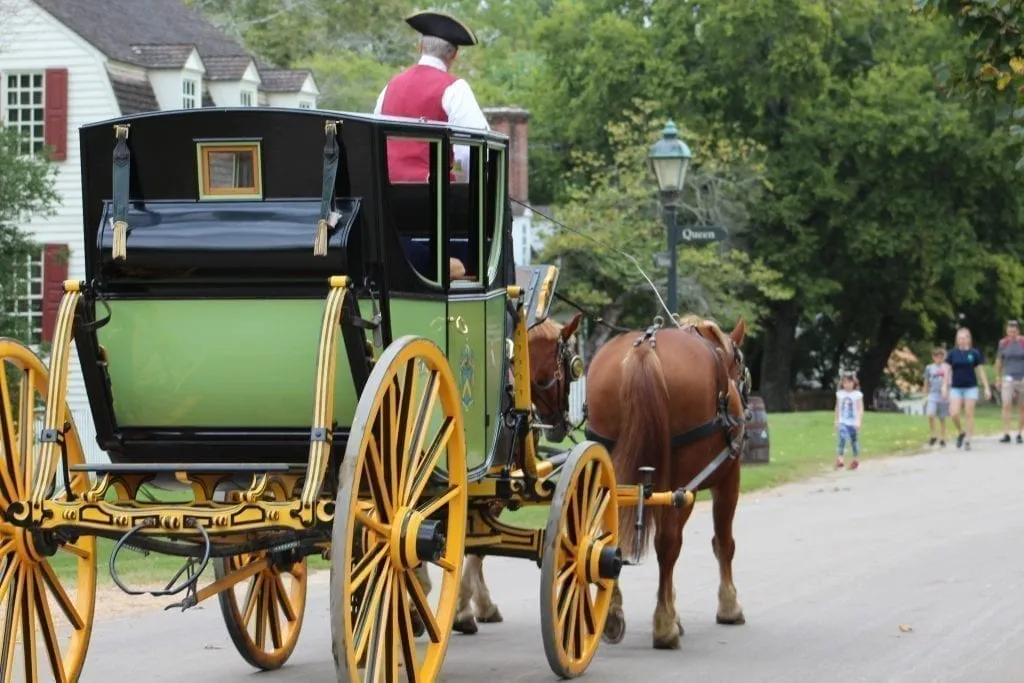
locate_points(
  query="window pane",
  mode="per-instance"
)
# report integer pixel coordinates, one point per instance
(24, 80)
(37, 81)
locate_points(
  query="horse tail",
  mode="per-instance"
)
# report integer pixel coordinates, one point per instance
(644, 438)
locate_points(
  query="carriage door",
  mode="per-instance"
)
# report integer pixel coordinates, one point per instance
(474, 349)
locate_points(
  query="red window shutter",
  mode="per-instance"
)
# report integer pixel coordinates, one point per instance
(55, 272)
(55, 120)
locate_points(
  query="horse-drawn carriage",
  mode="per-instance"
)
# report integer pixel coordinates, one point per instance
(268, 330)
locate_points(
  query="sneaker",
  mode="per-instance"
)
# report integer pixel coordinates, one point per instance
(967, 445)
(942, 443)
(931, 441)
(1005, 439)
(1019, 439)
(855, 464)
(839, 463)
(960, 439)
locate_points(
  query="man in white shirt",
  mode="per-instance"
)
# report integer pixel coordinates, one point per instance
(426, 90)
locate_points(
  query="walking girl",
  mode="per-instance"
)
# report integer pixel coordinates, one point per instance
(960, 385)
(849, 414)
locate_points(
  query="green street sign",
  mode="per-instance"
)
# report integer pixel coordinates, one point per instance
(705, 234)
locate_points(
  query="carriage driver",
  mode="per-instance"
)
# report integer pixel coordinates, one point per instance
(426, 90)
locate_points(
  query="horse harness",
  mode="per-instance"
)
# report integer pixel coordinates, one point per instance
(568, 367)
(723, 420)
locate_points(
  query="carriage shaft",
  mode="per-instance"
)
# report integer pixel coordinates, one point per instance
(629, 496)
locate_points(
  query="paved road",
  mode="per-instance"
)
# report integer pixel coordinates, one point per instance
(828, 571)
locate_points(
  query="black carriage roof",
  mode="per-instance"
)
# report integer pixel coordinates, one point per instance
(378, 121)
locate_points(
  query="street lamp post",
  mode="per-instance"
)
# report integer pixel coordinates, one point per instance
(669, 159)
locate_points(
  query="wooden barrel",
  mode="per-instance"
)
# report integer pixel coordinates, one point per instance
(757, 433)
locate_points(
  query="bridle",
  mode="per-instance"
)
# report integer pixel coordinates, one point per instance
(567, 365)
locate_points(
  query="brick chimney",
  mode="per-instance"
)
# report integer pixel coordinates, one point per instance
(513, 122)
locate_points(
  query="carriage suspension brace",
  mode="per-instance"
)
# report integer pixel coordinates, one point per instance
(646, 487)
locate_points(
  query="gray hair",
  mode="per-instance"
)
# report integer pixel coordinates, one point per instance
(437, 47)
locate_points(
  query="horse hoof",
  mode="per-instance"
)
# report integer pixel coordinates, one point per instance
(614, 630)
(491, 616)
(467, 626)
(737, 620)
(673, 643)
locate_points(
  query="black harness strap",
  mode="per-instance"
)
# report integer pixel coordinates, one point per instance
(332, 153)
(121, 187)
(722, 421)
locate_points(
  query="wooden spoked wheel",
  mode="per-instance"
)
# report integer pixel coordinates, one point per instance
(401, 513)
(264, 614)
(581, 560)
(47, 582)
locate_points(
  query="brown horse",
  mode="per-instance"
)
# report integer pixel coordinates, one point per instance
(553, 349)
(673, 400)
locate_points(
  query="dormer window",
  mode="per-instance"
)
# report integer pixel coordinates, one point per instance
(247, 98)
(189, 88)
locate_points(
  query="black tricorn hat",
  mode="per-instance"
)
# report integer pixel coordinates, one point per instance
(441, 25)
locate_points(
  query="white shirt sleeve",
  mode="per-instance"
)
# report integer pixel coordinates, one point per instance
(463, 111)
(460, 104)
(380, 101)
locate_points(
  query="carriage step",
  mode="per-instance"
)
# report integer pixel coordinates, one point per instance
(191, 467)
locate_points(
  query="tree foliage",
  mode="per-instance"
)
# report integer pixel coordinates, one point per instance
(612, 225)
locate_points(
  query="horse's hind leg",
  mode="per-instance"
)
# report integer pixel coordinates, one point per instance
(615, 624)
(486, 611)
(723, 508)
(464, 621)
(668, 542)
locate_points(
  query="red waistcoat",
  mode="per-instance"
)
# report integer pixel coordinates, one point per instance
(415, 93)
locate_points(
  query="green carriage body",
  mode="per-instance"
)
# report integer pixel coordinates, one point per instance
(211, 339)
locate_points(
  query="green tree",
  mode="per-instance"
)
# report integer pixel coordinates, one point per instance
(615, 225)
(26, 191)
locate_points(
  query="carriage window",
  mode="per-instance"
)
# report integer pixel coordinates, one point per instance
(229, 170)
(414, 201)
(495, 194)
(464, 217)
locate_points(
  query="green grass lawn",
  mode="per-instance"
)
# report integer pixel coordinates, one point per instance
(801, 445)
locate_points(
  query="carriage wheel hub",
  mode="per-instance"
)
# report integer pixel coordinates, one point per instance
(599, 561)
(34, 546)
(415, 539)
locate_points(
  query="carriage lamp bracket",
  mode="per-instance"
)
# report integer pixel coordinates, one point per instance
(191, 575)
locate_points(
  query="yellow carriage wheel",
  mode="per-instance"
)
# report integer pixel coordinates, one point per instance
(47, 582)
(264, 614)
(581, 560)
(401, 512)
